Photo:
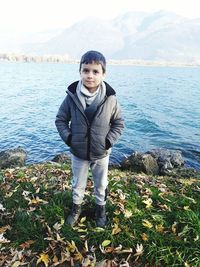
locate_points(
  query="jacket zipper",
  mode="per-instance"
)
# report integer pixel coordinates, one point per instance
(89, 129)
(88, 145)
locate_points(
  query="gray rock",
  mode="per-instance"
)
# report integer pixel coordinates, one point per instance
(167, 159)
(62, 158)
(157, 161)
(139, 162)
(12, 158)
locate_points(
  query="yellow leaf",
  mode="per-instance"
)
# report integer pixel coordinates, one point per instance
(116, 229)
(43, 258)
(145, 237)
(86, 246)
(98, 229)
(186, 264)
(83, 220)
(37, 200)
(16, 264)
(80, 225)
(62, 221)
(71, 246)
(115, 220)
(147, 224)
(187, 182)
(82, 230)
(127, 213)
(148, 202)
(78, 256)
(160, 228)
(174, 227)
(105, 243)
(117, 212)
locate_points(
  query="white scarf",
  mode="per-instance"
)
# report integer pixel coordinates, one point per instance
(85, 97)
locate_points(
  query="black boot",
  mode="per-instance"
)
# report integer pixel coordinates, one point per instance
(74, 215)
(100, 215)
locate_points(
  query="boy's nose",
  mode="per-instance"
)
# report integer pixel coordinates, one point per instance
(90, 74)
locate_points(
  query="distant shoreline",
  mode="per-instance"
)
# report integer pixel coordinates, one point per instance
(14, 57)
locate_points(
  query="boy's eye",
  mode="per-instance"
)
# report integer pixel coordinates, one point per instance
(85, 70)
(96, 71)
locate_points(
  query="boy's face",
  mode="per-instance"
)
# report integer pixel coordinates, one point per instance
(91, 75)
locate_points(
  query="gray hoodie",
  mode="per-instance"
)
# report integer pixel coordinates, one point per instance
(89, 140)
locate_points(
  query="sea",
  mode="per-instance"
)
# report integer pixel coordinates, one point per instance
(160, 106)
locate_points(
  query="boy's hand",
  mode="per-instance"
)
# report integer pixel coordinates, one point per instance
(108, 144)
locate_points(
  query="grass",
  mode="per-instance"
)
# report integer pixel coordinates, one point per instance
(152, 220)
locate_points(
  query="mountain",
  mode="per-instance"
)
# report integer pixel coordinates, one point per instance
(134, 35)
(87, 34)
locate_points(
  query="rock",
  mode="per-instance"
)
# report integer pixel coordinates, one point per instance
(139, 162)
(62, 158)
(167, 159)
(183, 172)
(157, 161)
(12, 158)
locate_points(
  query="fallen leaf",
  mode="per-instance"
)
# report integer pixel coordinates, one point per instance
(147, 224)
(174, 227)
(144, 237)
(55, 259)
(1, 207)
(4, 229)
(159, 228)
(37, 200)
(186, 264)
(139, 251)
(27, 244)
(148, 202)
(116, 229)
(71, 246)
(83, 220)
(16, 264)
(78, 256)
(43, 258)
(105, 243)
(127, 213)
(57, 226)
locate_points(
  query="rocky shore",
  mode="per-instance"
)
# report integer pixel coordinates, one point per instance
(154, 162)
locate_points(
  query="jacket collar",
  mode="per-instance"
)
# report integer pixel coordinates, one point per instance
(109, 90)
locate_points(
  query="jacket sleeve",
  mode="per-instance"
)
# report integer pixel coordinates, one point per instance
(62, 121)
(116, 125)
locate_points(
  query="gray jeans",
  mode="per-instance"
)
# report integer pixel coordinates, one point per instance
(99, 169)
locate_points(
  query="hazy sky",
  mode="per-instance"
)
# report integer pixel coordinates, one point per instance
(38, 15)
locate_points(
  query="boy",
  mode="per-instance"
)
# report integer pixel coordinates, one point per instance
(89, 121)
